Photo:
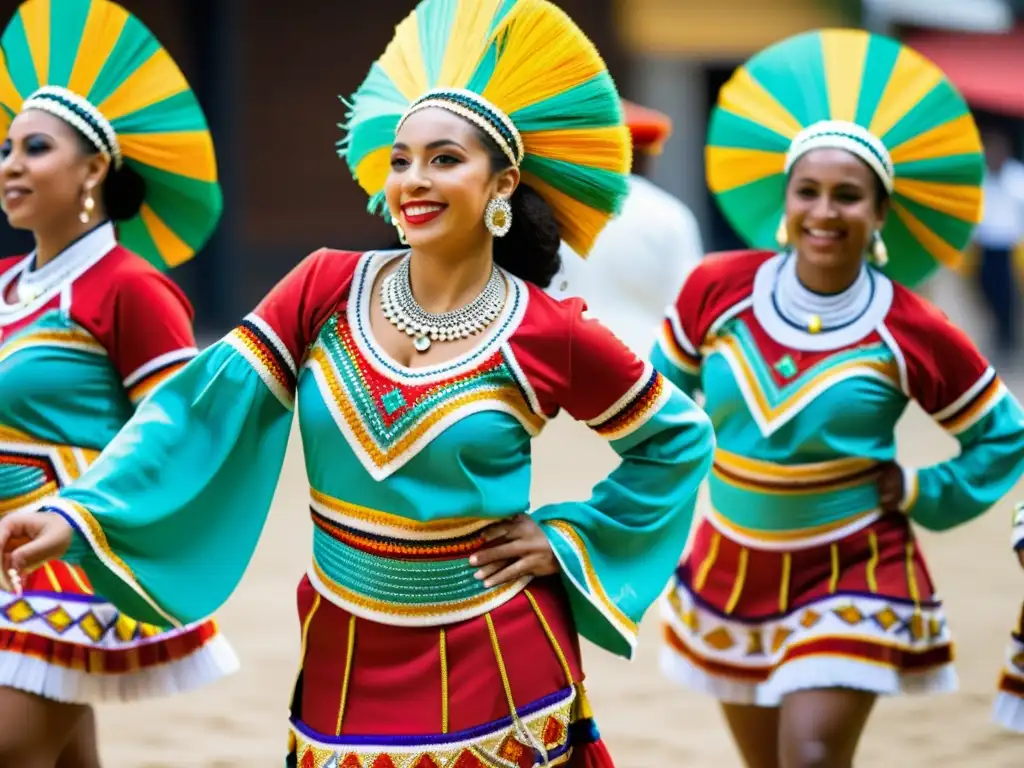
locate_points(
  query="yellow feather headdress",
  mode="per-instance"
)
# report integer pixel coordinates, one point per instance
(525, 74)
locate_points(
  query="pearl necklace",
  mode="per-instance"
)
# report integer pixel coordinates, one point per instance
(404, 312)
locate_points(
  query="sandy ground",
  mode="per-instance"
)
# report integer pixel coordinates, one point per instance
(646, 722)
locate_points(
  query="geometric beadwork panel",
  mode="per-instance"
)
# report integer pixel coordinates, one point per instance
(75, 619)
(504, 746)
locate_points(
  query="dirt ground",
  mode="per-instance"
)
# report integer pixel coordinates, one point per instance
(646, 722)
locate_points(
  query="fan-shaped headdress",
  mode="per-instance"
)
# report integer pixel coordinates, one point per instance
(526, 75)
(97, 67)
(848, 89)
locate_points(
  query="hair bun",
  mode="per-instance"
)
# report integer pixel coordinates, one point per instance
(123, 192)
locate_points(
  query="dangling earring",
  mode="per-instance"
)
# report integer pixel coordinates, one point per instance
(782, 234)
(498, 216)
(87, 206)
(401, 234)
(879, 253)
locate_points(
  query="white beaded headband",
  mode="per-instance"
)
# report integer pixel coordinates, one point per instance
(840, 134)
(479, 111)
(79, 113)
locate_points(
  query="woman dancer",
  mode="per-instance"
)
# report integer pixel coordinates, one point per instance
(438, 618)
(88, 329)
(805, 595)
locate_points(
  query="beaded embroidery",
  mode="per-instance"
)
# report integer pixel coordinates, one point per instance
(635, 409)
(387, 421)
(494, 744)
(268, 356)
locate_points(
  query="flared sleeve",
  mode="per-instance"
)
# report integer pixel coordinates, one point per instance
(956, 386)
(168, 517)
(619, 548)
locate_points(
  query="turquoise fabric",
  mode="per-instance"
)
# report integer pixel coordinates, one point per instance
(183, 491)
(635, 524)
(57, 393)
(991, 459)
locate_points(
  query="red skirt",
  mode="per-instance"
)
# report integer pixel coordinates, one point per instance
(61, 641)
(503, 686)
(750, 625)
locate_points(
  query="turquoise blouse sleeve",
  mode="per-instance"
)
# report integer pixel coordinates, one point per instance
(619, 548)
(682, 371)
(169, 515)
(990, 431)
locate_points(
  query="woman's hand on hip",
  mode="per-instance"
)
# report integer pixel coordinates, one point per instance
(515, 548)
(890, 487)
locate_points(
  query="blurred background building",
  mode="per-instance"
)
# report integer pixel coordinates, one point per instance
(269, 76)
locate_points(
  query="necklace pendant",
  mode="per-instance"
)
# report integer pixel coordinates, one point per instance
(421, 343)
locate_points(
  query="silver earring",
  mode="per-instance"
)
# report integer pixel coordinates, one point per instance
(879, 253)
(401, 234)
(498, 216)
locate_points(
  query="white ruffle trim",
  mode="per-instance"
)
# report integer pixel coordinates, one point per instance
(1008, 712)
(810, 673)
(215, 660)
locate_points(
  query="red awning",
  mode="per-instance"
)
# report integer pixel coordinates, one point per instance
(987, 69)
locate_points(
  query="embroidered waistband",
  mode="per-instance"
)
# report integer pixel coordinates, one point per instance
(397, 571)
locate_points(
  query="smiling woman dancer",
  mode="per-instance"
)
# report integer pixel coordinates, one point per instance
(106, 159)
(805, 595)
(438, 620)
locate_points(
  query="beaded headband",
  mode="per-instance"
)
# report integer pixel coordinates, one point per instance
(80, 114)
(840, 134)
(479, 111)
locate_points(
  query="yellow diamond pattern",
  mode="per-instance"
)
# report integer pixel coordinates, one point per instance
(59, 619)
(719, 639)
(19, 611)
(125, 627)
(690, 621)
(91, 627)
(849, 614)
(782, 634)
(755, 643)
(886, 618)
(809, 618)
(675, 602)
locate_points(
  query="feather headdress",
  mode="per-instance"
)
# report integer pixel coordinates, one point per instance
(97, 67)
(523, 72)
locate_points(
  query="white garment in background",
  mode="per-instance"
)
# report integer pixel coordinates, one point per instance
(637, 265)
(1002, 224)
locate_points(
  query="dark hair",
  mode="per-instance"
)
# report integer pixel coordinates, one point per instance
(122, 191)
(530, 249)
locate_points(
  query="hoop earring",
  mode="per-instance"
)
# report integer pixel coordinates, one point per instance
(401, 234)
(879, 254)
(87, 207)
(782, 234)
(498, 216)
